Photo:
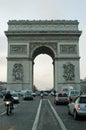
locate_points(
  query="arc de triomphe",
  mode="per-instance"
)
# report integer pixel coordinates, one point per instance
(57, 38)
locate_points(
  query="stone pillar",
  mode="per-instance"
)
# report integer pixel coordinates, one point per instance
(30, 74)
(55, 75)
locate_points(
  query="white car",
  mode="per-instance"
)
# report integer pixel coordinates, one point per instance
(15, 98)
(77, 108)
(73, 94)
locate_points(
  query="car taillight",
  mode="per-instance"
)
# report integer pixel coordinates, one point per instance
(78, 107)
(69, 99)
(57, 99)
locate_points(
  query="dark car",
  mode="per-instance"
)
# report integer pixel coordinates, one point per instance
(77, 108)
(1, 94)
(61, 98)
(27, 96)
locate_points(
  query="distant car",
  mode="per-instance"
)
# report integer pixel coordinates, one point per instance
(61, 98)
(38, 93)
(27, 96)
(73, 94)
(52, 93)
(25, 91)
(45, 93)
(77, 108)
(4, 92)
(1, 94)
(15, 98)
(34, 94)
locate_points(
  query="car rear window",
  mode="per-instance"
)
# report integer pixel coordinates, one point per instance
(62, 95)
(82, 100)
(14, 95)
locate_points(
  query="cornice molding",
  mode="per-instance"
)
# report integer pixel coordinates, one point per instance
(10, 33)
(11, 22)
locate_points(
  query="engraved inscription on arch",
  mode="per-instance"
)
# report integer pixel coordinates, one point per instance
(68, 49)
(18, 49)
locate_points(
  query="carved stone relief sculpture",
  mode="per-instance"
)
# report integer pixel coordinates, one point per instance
(18, 72)
(69, 72)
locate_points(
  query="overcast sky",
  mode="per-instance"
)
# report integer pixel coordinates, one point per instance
(42, 10)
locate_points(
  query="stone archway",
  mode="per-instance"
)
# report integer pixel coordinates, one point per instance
(57, 38)
(43, 49)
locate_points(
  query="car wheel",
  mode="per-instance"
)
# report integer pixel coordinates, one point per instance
(75, 115)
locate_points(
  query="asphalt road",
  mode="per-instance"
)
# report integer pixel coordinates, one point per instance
(25, 113)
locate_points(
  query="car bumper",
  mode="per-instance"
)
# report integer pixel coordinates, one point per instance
(81, 113)
(15, 101)
(62, 102)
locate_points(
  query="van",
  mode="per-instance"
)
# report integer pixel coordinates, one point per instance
(73, 94)
(66, 89)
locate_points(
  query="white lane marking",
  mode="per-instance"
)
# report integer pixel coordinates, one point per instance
(1, 114)
(57, 117)
(37, 116)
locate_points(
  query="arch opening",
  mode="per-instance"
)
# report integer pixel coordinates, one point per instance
(43, 50)
(43, 74)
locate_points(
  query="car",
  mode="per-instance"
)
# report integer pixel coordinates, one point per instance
(77, 108)
(34, 94)
(4, 92)
(67, 88)
(38, 92)
(61, 98)
(1, 94)
(73, 94)
(15, 98)
(25, 91)
(45, 93)
(53, 93)
(27, 96)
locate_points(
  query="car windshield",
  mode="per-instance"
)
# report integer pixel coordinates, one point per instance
(72, 92)
(77, 92)
(82, 100)
(27, 93)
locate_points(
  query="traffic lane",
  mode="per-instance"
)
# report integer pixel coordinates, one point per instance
(22, 118)
(47, 120)
(68, 120)
(2, 106)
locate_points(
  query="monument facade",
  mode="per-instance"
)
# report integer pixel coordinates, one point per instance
(57, 38)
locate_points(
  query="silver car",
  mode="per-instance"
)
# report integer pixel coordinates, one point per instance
(73, 94)
(61, 98)
(77, 108)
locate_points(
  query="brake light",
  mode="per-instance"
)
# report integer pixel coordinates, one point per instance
(57, 99)
(78, 107)
(69, 99)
